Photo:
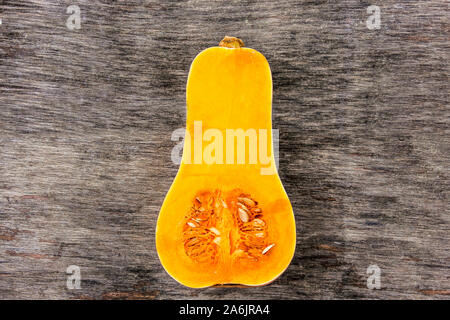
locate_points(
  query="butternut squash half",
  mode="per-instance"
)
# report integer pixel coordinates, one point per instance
(226, 218)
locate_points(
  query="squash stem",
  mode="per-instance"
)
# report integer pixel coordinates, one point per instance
(231, 42)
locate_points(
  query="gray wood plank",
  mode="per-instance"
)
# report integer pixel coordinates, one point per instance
(86, 119)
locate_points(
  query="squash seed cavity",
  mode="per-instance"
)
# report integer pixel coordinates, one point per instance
(207, 223)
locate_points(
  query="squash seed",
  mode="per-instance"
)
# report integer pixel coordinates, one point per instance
(258, 222)
(214, 230)
(266, 249)
(248, 202)
(243, 215)
(241, 205)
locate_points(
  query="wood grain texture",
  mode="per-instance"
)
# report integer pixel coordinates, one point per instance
(87, 115)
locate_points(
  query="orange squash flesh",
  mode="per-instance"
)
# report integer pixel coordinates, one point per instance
(226, 219)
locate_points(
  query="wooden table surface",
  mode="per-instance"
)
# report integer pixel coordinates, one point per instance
(85, 142)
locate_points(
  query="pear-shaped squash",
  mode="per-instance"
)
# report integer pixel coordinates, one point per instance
(226, 218)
